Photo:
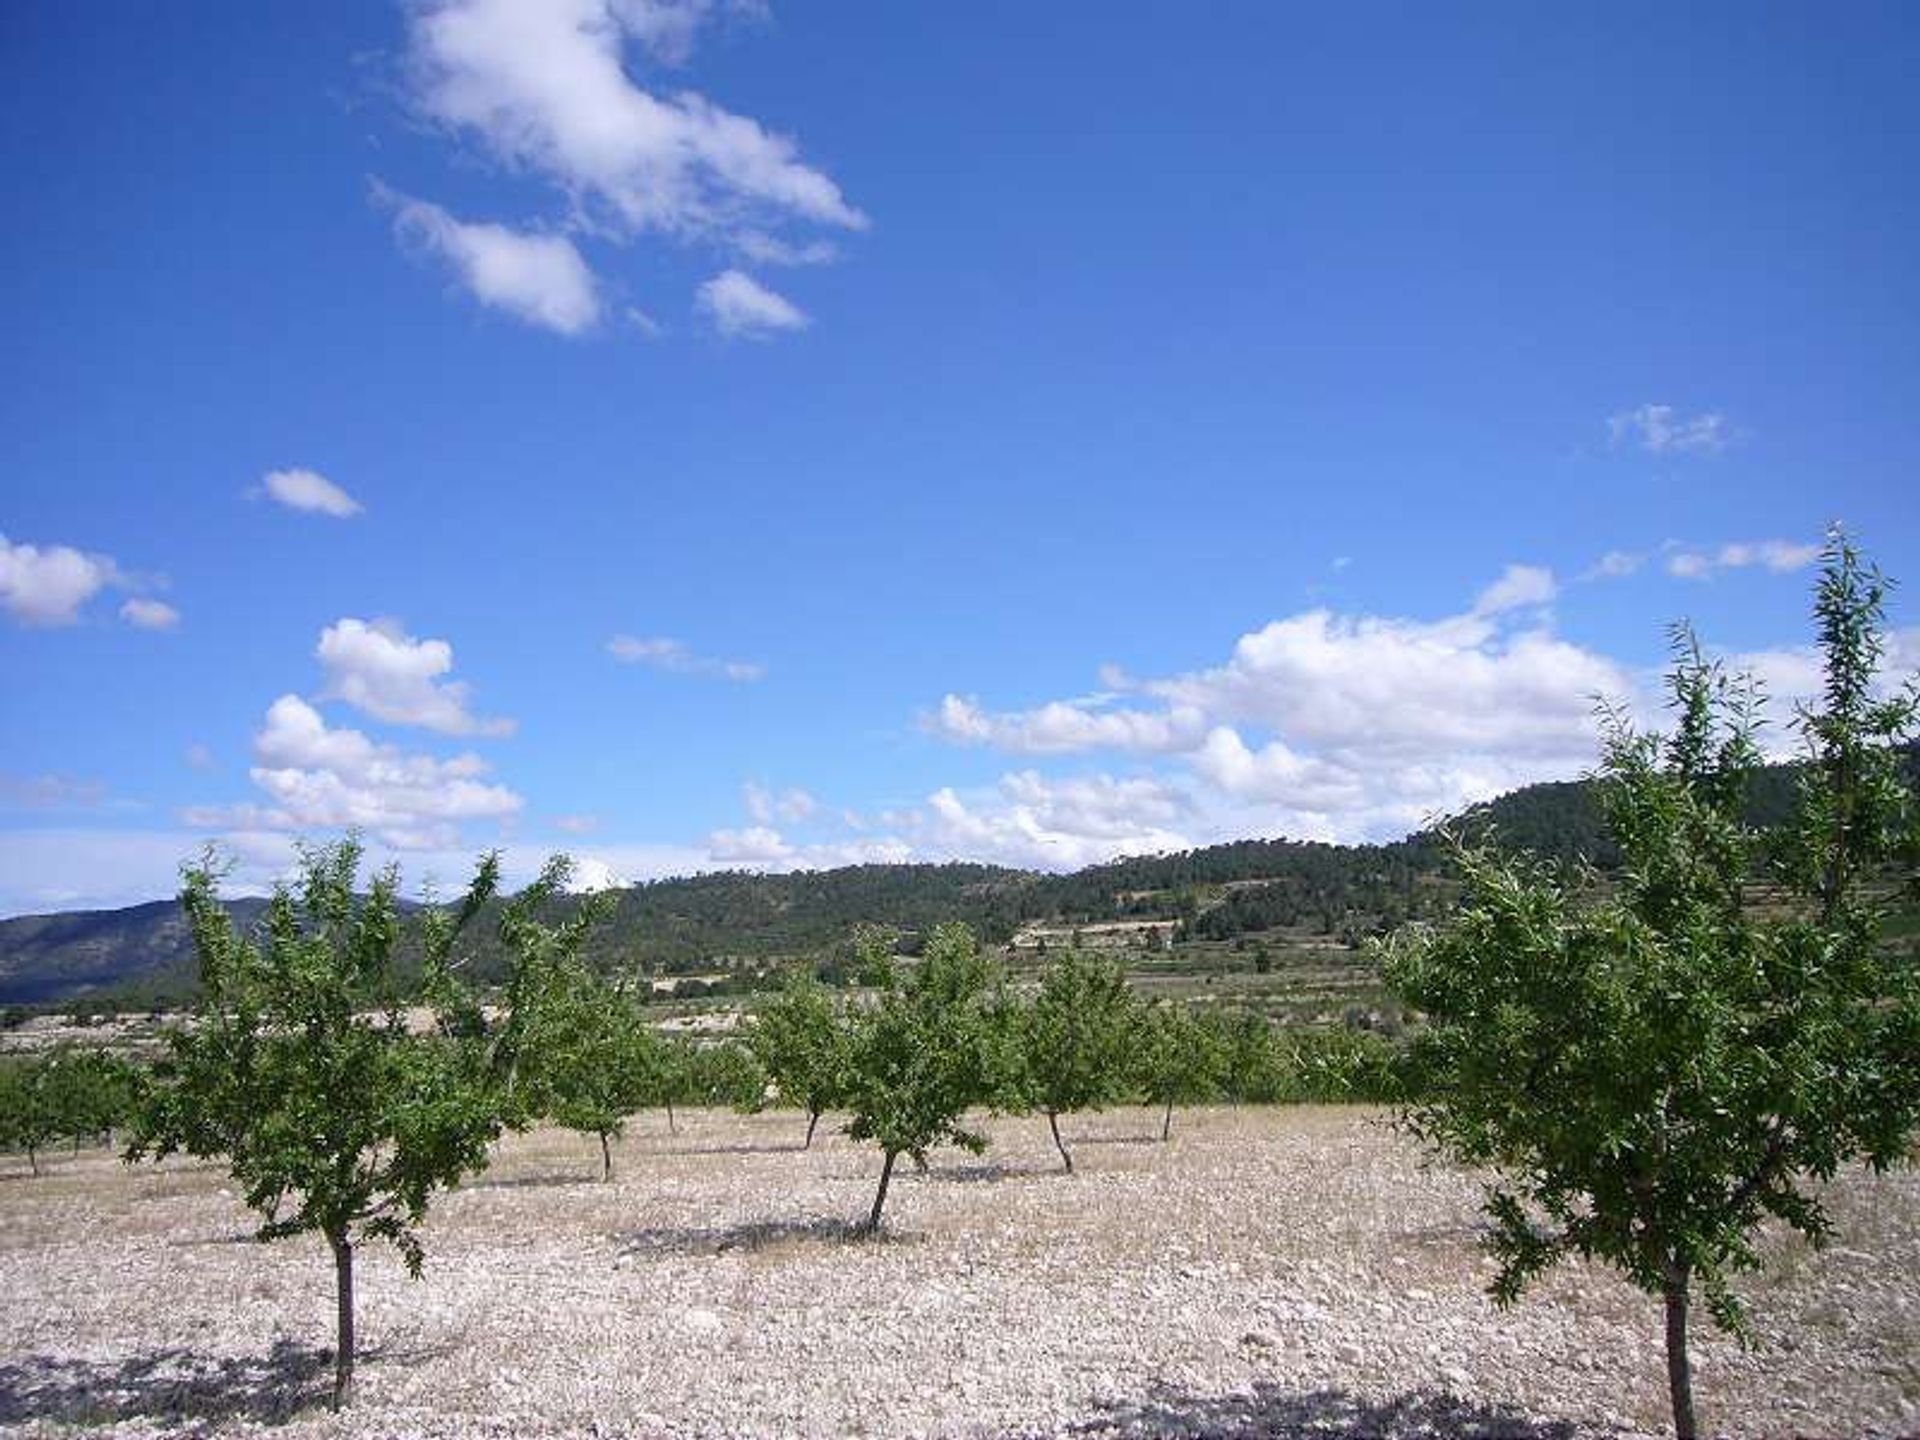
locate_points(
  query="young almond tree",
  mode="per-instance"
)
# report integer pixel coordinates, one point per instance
(801, 1040)
(1178, 1061)
(302, 1067)
(587, 1064)
(923, 1055)
(1654, 1072)
(1077, 1036)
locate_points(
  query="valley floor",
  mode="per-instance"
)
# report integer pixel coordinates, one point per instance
(1284, 1272)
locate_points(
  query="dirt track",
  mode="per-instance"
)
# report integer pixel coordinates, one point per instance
(1269, 1272)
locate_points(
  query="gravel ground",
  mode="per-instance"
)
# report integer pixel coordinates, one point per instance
(1290, 1272)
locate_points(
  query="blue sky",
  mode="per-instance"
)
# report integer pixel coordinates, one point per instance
(688, 434)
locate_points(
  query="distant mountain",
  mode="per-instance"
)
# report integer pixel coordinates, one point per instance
(720, 921)
(47, 958)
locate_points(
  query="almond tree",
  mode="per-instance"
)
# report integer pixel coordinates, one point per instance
(337, 1112)
(1076, 1037)
(1178, 1060)
(589, 1061)
(1653, 1069)
(801, 1040)
(923, 1055)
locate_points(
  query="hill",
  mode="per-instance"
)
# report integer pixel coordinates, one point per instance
(1245, 897)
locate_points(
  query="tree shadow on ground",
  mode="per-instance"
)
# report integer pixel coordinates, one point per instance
(746, 1235)
(556, 1179)
(733, 1148)
(1153, 1139)
(185, 1390)
(1272, 1412)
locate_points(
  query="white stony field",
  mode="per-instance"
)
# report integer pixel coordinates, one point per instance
(1291, 1272)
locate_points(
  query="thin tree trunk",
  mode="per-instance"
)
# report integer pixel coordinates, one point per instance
(606, 1158)
(1053, 1124)
(672, 1129)
(1679, 1366)
(343, 1340)
(880, 1196)
(813, 1119)
(33, 1158)
(1166, 1124)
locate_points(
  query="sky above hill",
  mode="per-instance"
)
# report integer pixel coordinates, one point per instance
(691, 434)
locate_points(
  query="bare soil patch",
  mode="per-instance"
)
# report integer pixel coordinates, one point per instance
(1269, 1272)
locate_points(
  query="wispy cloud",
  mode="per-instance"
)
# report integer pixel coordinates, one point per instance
(658, 652)
(738, 305)
(1661, 430)
(310, 491)
(1779, 556)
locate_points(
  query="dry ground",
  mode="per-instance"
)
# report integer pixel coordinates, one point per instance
(1290, 1272)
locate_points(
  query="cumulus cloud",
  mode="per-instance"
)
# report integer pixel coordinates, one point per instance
(1064, 726)
(1779, 556)
(1660, 430)
(310, 491)
(546, 89)
(659, 652)
(539, 278)
(144, 613)
(1614, 565)
(316, 777)
(738, 305)
(756, 845)
(47, 586)
(1335, 726)
(376, 667)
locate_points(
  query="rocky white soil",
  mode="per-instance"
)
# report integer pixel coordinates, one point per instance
(1291, 1272)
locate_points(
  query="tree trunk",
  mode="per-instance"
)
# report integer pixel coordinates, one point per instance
(1053, 1124)
(1679, 1366)
(33, 1158)
(606, 1158)
(672, 1129)
(343, 1342)
(880, 1196)
(1166, 1124)
(813, 1119)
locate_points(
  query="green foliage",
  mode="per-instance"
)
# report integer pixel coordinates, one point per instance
(1177, 1060)
(1655, 1069)
(802, 1041)
(591, 1059)
(336, 1112)
(925, 1053)
(1075, 1039)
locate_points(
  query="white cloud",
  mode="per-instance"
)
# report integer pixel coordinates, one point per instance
(200, 757)
(319, 778)
(738, 305)
(1517, 587)
(1614, 565)
(47, 586)
(1779, 556)
(1052, 823)
(766, 806)
(577, 824)
(1659, 430)
(661, 653)
(1346, 727)
(760, 248)
(310, 491)
(147, 614)
(378, 668)
(1063, 726)
(757, 845)
(541, 279)
(546, 89)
